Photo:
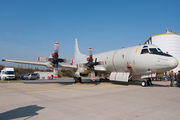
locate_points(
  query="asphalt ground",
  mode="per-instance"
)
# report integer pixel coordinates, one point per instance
(63, 100)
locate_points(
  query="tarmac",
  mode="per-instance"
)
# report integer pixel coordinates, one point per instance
(63, 100)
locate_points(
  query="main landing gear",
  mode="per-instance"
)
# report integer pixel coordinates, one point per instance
(77, 80)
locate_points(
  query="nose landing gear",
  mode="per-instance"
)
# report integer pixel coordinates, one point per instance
(77, 80)
(146, 82)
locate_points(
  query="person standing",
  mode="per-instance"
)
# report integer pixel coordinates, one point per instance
(178, 79)
(171, 75)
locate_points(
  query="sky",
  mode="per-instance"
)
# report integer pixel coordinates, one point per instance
(29, 28)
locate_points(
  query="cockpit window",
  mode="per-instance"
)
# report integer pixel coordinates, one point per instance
(153, 50)
(159, 50)
(144, 51)
(145, 46)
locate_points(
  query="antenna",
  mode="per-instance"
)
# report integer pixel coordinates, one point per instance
(170, 31)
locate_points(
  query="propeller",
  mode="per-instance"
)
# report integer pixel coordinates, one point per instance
(90, 64)
(55, 60)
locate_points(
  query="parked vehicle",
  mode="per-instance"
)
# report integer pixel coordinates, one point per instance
(25, 76)
(7, 74)
(34, 76)
(21, 77)
(31, 76)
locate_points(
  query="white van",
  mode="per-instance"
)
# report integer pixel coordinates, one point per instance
(7, 74)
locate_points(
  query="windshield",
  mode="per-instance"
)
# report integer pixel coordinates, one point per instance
(144, 51)
(153, 50)
(26, 74)
(159, 50)
(9, 72)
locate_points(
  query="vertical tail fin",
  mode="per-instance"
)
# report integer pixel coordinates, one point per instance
(77, 53)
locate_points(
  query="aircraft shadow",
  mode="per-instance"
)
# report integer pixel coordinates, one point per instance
(62, 83)
(69, 82)
(88, 81)
(28, 111)
(137, 83)
(158, 85)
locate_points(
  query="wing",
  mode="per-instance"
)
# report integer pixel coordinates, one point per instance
(25, 62)
(47, 64)
(67, 66)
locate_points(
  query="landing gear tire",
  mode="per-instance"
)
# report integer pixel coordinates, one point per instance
(144, 83)
(77, 80)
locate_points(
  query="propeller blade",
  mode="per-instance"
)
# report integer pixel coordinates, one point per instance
(56, 47)
(65, 60)
(42, 59)
(55, 70)
(99, 63)
(90, 52)
(93, 75)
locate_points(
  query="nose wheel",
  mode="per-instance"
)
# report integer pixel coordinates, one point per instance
(77, 80)
(145, 83)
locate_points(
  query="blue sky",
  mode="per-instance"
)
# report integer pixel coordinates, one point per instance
(29, 28)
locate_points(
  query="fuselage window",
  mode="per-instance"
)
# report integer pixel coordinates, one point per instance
(122, 56)
(144, 51)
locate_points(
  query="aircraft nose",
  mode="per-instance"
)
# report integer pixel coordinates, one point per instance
(174, 62)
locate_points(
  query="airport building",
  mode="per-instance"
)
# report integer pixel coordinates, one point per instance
(168, 42)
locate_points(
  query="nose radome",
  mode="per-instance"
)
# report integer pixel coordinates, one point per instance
(173, 62)
(176, 63)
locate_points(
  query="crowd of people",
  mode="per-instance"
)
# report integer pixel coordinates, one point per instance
(174, 77)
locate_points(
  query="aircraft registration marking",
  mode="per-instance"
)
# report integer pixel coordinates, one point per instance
(136, 50)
